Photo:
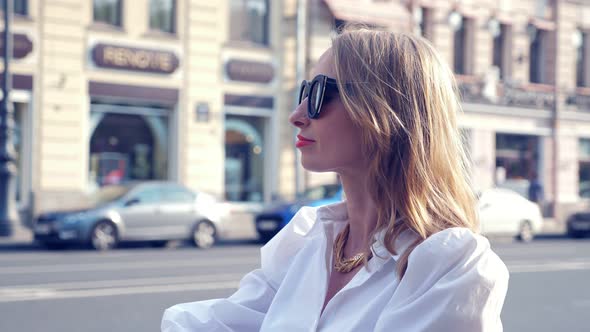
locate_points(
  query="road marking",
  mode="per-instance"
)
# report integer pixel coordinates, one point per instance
(76, 285)
(10, 295)
(549, 266)
(109, 266)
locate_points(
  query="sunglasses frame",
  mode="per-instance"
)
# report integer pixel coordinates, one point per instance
(324, 81)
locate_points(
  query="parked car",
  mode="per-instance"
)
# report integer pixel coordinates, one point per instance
(578, 224)
(273, 218)
(148, 211)
(505, 212)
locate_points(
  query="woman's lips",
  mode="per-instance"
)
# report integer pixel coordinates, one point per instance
(302, 141)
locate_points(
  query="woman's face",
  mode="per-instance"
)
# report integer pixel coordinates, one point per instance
(331, 142)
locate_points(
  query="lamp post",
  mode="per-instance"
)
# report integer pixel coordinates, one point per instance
(7, 168)
(301, 68)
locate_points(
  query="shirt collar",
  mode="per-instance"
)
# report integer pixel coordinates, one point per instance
(337, 212)
(404, 240)
(333, 212)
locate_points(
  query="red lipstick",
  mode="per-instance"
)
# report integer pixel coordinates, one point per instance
(302, 141)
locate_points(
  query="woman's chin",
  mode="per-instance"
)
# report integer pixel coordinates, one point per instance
(315, 167)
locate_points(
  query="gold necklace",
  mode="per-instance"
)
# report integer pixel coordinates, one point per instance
(346, 265)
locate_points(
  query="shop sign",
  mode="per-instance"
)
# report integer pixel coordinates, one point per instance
(136, 59)
(249, 71)
(21, 45)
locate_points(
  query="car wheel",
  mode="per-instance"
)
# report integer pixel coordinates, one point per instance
(203, 235)
(104, 236)
(525, 232)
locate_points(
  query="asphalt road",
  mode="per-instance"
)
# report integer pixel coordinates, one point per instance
(128, 289)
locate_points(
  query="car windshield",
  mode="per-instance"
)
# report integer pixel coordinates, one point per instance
(108, 194)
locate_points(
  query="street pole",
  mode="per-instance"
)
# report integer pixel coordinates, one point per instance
(7, 168)
(301, 61)
(556, 115)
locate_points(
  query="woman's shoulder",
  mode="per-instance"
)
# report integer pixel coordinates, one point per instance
(456, 244)
(305, 229)
(308, 221)
(456, 278)
(454, 258)
(455, 241)
(457, 252)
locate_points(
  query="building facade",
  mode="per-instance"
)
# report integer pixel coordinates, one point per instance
(200, 92)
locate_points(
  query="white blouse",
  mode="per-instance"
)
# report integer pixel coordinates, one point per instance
(453, 282)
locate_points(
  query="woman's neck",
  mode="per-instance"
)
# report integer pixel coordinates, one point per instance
(362, 213)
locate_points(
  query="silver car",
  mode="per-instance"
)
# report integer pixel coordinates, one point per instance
(148, 211)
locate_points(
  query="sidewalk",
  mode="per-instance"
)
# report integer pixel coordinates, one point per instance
(552, 227)
(21, 237)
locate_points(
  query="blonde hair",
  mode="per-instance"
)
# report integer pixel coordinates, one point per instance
(403, 96)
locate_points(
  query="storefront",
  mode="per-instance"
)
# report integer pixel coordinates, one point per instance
(518, 161)
(128, 143)
(248, 127)
(131, 127)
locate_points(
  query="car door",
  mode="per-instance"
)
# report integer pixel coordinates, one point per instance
(178, 210)
(492, 214)
(140, 213)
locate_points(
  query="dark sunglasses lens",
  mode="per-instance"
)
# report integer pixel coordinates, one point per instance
(315, 96)
(302, 91)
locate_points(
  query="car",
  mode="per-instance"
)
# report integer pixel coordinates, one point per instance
(505, 212)
(274, 217)
(584, 190)
(154, 211)
(578, 224)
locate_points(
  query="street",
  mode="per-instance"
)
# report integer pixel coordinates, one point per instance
(127, 289)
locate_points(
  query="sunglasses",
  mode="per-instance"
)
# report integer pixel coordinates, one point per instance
(321, 89)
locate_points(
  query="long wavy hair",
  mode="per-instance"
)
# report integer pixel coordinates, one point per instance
(403, 96)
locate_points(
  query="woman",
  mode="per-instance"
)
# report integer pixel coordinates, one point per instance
(400, 253)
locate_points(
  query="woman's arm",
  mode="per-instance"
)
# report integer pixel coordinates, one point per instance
(242, 311)
(246, 308)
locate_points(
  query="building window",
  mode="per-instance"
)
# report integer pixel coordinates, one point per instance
(244, 158)
(517, 161)
(128, 147)
(423, 22)
(462, 38)
(162, 15)
(20, 7)
(107, 12)
(538, 39)
(582, 59)
(584, 168)
(501, 55)
(249, 21)
(543, 9)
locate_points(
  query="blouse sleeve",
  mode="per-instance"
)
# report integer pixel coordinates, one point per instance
(242, 311)
(454, 282)
(246, 308)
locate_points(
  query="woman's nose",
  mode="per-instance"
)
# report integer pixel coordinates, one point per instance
(298, 117)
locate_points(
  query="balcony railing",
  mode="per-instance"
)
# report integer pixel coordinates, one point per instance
(538, 96)
(580, 99)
